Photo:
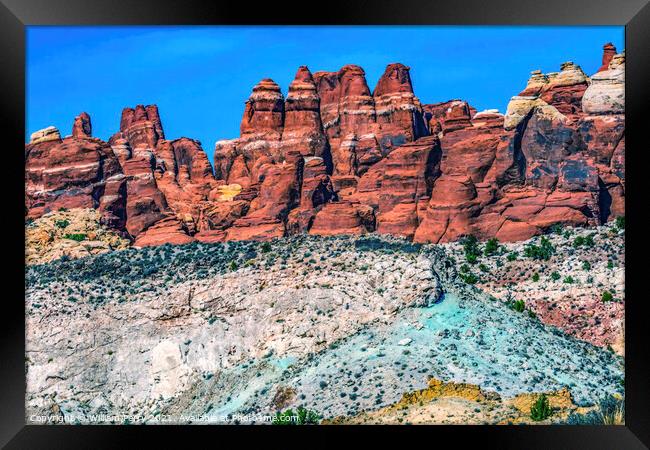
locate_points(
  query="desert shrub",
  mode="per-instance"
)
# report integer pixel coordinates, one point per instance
(584, 241)
(266, 247)
(540, 410)
(76, 236)
(61, 223)
(491, 247)
(610, 411)
(568, 280)
(369, 244)
(471, 249)
(512, 256)
(483, 268)
(607, 296)
(469, 278)
(543, 251)
(586, 265)
(610, 264)
(535, 277)
(620, 222)
(555, 276)
(518, 305)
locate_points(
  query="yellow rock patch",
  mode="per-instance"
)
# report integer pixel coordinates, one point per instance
(228, 192)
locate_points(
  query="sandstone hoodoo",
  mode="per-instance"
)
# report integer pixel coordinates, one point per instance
(335, 157)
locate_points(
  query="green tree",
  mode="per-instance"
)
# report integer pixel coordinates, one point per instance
(540, 410)
(491, 247)
(607, 296)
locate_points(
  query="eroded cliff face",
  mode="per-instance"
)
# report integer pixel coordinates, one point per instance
(334, 157)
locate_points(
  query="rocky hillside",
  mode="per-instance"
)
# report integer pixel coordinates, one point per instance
(352, 329)
(73, 233)
(334, 157)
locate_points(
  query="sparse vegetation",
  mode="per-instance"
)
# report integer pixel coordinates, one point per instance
(543, 251)
(607, 296)
(491, 247)
(610, 411)
(471, 249)
(75, 236)
(584, 241)
(540, 410)
(518, 305)
(620, 222)
(512, 256)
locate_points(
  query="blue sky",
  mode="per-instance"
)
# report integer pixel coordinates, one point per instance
(200, 77)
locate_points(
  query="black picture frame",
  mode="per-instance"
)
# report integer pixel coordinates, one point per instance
(15, 15)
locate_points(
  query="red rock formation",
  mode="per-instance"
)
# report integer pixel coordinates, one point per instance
(81, 128)
(68, 173)
(303, 130)
(565, 89)
(279, 192)
(395, 185)
(608, 53)
(332, 158)
(399, 112)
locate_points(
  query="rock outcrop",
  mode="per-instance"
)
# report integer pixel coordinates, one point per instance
(335, 157)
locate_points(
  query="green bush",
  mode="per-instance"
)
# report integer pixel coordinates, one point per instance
(586, 265)
(544, 251)
(540, 410)
(555, 276)
(512, 256)
(471, 248)
(519, 305)
(233, 266)
(266, 247)
(610, 264)
(491, 247)
(620, 222)
(535, 277)
(76, 236)
(607, 296)
(469, 278)
(61, 223)
(586, 241)
(569, 280)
